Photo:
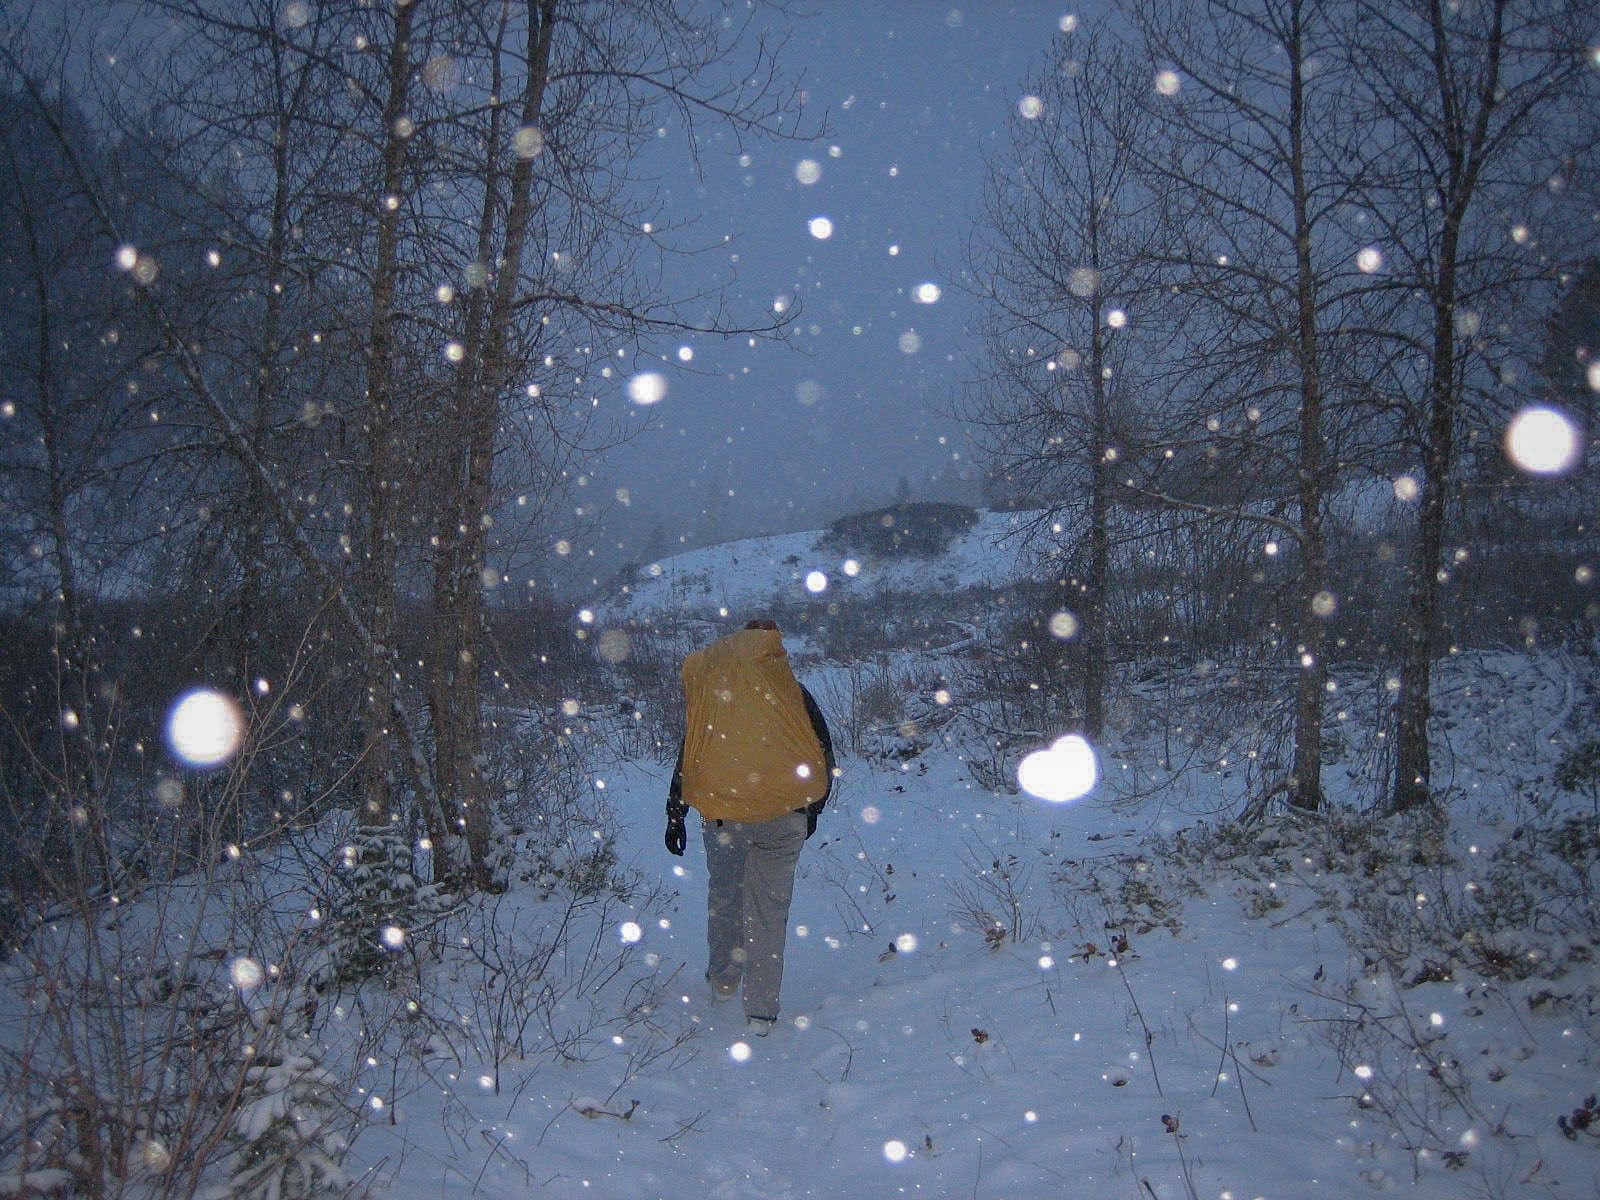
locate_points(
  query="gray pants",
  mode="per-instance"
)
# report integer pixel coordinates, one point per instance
(750, 869)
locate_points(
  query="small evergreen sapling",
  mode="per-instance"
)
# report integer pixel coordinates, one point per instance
(379, 904)
(285, 1145)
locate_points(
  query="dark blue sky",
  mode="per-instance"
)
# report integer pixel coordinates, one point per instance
(917, 93)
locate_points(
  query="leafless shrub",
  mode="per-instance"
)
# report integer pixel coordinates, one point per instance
(580, 983)
(139, 1031)
(861, 698)
(991, 899)
(1509, 925)
(1399, 1069)
(158, 964)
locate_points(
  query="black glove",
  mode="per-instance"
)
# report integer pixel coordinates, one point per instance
(677, 836)
(813, 811)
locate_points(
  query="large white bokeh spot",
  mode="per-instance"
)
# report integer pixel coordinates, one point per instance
(1067, 771)
(205, 728)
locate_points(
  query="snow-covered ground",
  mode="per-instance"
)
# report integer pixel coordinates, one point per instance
(1236, 1046)
(916, 1058)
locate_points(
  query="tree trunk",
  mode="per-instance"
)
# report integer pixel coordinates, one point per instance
(1096, 667)
(382, 546)
(458, 627)
(1413, 756)
(1466, 138)
(1097, 649)
(1305, 783)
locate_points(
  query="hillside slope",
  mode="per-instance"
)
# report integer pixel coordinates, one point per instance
(748, 575)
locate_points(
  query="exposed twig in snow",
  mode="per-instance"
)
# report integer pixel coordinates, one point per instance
(1149, 1035)
(850, 1052)
(691, 1125)
(1230, 1054)
(497, 1147)
(1172, 1125)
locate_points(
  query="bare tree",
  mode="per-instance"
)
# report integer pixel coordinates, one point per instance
(547, 236)
(1252, 159)
(1488, 115)
(69, 425)
(444, 190)
(1063, 255)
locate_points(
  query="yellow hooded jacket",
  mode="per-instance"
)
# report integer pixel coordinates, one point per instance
(749, 750)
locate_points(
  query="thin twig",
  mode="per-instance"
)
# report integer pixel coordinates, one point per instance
(1183, 1160)
(1238, 1072)
(1149, 1036)
(1216, 1079)
(693, 1123)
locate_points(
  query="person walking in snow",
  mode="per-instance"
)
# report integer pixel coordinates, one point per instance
(757, 764)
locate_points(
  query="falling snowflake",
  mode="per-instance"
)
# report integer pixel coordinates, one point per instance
(1542, 441)
(205, 728)
(647, 388)
(1064, 625)
(1067, 771)
(528, 142)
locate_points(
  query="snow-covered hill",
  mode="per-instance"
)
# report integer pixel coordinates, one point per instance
(748, 575)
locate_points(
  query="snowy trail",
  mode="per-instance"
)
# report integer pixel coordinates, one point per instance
(875, 1075)
(948, 1068)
